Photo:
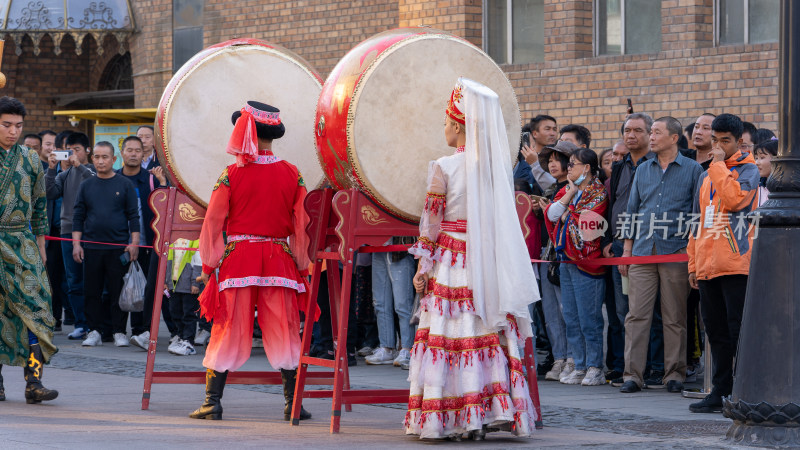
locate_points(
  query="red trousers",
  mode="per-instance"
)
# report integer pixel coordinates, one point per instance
(230, 344)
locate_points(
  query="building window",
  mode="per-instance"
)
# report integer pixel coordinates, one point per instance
(625, 27)
(514, 30)
(747, 21)
(187, 30)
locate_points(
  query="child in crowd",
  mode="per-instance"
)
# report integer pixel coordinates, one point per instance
(183, 268)
(763, 153)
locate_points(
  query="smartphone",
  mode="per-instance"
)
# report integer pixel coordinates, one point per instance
(526, 139)
(630, 107)
(125, 258)
(61, 155)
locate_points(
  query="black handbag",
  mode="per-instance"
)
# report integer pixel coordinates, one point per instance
(553, 267)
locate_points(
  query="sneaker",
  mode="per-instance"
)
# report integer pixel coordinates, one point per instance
(93, 339)
(655, 380)
(403, 357)
(202, 337)
(142, 340)
(567, 371)
(612, 375)
(365, 351)
(174, 339)
(594, 377)
(77, 334)
(711, 404)
(57, 328)
(351, 360)
(576, 377)
(406, 365)
(175, 347)
(120, 340)
(182, 348)
(617, 382)
(381, 356)
(555, 373)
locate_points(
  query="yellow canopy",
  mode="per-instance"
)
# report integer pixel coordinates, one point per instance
(112, 116)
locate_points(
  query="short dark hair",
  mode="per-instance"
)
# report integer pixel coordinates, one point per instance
(78, 138)
(712, 115)
(105, 144)
(648, 121)
(47, 133)
(762, 135)
(588, 157)
(562, 158)
(728, 123)
(582, 133)
(690, 129)
(768, 147)
(539, 119)
(10, 105)
(33, 136)
(749, 128)
(61, 137)
(149, 127)
(131, 138)
(673, 125)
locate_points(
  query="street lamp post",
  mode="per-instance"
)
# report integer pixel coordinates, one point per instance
(765, 403)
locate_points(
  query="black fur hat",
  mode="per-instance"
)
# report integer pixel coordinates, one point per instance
(263, 131)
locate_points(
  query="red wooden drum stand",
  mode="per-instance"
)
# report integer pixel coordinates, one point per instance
(177, 216)
(349, 220)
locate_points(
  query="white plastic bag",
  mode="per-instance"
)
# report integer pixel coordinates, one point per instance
(131, 299)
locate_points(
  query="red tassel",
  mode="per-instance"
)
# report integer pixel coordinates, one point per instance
(211, 305)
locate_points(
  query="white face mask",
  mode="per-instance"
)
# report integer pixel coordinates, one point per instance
(580, 179)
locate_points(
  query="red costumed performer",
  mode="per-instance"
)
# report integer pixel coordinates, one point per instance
(258, 202)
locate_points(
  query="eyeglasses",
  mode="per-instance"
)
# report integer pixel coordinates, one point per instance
(573, 164)
(746, 146)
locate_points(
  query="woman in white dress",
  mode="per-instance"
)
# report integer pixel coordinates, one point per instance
(466, 372)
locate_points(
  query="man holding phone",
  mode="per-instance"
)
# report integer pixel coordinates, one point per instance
(543, 133)
(107, 220)
(63, 184)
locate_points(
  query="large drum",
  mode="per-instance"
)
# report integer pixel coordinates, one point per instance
(193, 123)
(380, 117)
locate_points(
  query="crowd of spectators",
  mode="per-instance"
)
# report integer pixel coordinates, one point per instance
(99, 222)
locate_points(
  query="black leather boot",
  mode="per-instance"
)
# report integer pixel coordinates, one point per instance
(34, 391)
(289, 377)
(212, 407)
(2, 389)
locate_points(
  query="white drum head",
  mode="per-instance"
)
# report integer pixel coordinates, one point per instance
(197, 118)
(400, 111)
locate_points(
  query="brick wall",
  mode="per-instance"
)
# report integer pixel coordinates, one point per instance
(321, 32)
(37, 80)
(688, 77)
(460, 17)
(151, 50)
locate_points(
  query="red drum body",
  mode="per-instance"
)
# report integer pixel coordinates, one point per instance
(380, 117)
(193, 123)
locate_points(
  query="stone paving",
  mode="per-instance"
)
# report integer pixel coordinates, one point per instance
(100, 407)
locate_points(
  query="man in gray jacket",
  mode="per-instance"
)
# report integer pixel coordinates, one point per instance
(65, 185)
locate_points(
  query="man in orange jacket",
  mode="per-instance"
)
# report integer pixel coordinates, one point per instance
(719, 252)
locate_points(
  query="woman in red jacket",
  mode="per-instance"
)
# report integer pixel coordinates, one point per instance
(575, 223)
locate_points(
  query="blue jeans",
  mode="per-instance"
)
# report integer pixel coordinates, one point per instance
(554, 320)
(393, 292)
(74, 272)
(582, 303)
(655, 355)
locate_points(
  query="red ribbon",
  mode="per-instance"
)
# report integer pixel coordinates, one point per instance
(244, 142)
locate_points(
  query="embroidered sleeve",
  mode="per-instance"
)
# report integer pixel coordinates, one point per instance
(38, 198)
(431, 219)
(223, 179)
